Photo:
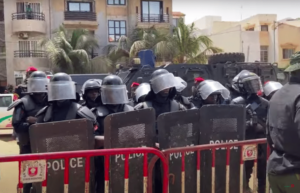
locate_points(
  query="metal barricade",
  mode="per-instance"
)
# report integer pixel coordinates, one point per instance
(87, 155)
(248, 152)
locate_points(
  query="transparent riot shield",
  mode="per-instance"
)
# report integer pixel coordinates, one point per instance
(125, 130)
(180, 129)
(59, 136)
(221, 124)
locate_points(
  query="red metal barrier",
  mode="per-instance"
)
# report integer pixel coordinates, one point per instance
(212, 147)
(92, 153)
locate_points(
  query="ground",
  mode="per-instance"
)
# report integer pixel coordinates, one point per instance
(9, 171)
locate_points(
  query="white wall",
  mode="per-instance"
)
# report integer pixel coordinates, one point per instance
(251, 45)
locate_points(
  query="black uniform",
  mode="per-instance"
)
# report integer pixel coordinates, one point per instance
(61, 99)
(283, 134)
(110, 101)
(28, 106)
(162, 102)
(247, 84)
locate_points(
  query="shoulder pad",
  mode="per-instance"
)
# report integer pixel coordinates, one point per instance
(128, 108)
(14, 104)
(85, 112)
(238, 100)
(43, 110)
(101, 111)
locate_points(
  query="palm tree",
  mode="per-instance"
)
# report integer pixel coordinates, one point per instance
(295, 58)
(69, 50)
(140, 39)
(191, 48)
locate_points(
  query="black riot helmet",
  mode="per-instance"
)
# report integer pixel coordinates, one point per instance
(162, 79)
(113, 91)
(61, 87)
(37, 82)
(247, 82)
(90, 84)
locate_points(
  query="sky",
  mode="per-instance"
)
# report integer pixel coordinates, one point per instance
(235, 10)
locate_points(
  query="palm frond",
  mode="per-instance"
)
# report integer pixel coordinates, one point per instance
(136, 47)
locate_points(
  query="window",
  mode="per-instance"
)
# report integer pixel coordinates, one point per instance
(264, 52)
(116, 2)
(116, 29)
(5, 101)
(22, 7)
(79, 6)
(152, 11)
(264, 28)
(287, 53)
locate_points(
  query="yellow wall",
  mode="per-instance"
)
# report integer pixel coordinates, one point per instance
(219, 26)
(288, 38)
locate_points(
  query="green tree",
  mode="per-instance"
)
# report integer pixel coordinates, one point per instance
(69, 50)
(191, 48)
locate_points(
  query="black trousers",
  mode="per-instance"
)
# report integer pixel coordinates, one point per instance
(25, 149)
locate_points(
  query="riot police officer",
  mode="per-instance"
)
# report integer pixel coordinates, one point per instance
(181, 85)
(114, 99)
(270, 87)
(163, 90)
(210, 92)
(90, 92)
(22, 88)
(25, 110)
(132, 101)
(62, 105)
(248, 84)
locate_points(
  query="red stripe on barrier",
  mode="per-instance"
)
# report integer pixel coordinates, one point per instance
(183, 161)
(228, 156)
(20, 169)
(213, 163)
(66, 172)
(198, 160)
(106, 170)
(87, 169)
(126, 166)
(241, 157)
(145, 166)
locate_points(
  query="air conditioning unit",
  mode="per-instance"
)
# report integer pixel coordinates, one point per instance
(23, 35)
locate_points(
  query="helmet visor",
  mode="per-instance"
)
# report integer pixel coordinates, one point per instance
(114, 94)
(209, 87)
(163, 82)
(181, 84)
(61, 90)
(252, 84)
(142, 90)
(37, 85)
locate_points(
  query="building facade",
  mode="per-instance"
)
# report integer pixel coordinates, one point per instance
(27, 22)
(260, 38)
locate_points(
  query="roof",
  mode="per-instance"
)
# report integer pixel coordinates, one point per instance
(179, 14)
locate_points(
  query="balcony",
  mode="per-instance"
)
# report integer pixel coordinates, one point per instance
(93, 55)
(29, 22)
(159, 20)
(81, 19)
(25, 58)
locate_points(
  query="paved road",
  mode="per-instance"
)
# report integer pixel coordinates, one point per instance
(8, 171)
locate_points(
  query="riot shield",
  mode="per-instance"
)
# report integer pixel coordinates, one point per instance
(180, 129)
(64, 136)
(124, 130)
(221, 124)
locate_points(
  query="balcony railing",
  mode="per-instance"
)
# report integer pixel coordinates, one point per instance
(153, 18)
(82, 16)
(28, 15)
(30, 54)
(93, 55)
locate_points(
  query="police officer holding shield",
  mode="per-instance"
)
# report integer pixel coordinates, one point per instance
(210, 92)
(141, 92)
(25, 110)
(283, 134)
(270, 87)
(248, 84)
(181, 85)
(62, 105)
(113, 99)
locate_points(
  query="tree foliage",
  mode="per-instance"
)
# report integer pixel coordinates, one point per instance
(295, 58)
(69, 50)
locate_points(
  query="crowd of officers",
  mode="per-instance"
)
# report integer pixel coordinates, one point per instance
(57, 100)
